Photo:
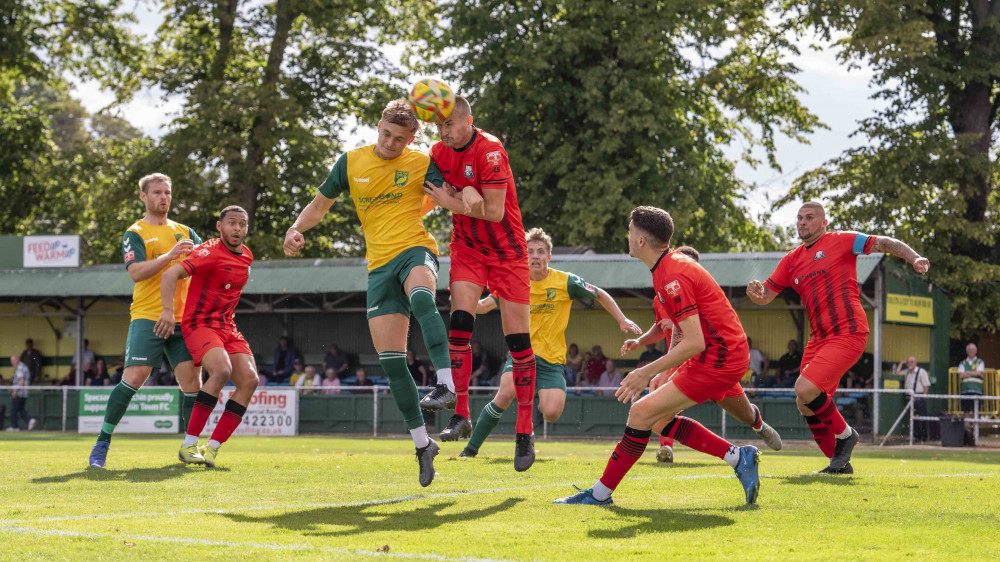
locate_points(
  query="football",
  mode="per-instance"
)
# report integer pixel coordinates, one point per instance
(432, 100)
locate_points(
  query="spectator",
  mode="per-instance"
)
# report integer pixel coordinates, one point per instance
(331, 384)
(788, 368)
(338, 360)
(915, 378)
(759, 363)
(364, 386)
(33, 359)
(581, 378)
(573, 363)
(88, 355)
(595, 365)
(284, 360)
(19, 395)
(119, 370)
(480, 365)
(100, 376)
(651, 354)
(298, 371)
(970, 373)
(417, 369)
(609, 378)
(308, 379)
(87, 373)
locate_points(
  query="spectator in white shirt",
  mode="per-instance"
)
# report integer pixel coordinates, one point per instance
(915, 378)
(758, 363)
(611, 377)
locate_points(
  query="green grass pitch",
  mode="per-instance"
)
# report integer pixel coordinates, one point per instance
(357, 498)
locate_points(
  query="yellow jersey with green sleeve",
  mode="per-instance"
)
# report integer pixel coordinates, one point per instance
(143, 241)
(388, 196)
(551, 300)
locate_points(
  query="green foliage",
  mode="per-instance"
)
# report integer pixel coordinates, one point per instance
(605, 106)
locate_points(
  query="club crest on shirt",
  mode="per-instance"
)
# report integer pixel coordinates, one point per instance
(819, 255)
(468, 172)
(401, 177)
(550, 294)
(673, 288)
(177, 236)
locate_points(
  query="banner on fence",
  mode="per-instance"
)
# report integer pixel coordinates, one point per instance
(152, 410)
(270, 412)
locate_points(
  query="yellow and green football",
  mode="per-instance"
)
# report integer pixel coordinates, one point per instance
(432, 100)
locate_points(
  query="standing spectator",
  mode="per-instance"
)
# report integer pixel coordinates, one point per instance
(364, 386)
(338, 360)
(916, 379)
(651, 354)
(298, 371)
(595, 365)
(33, 359)
(19, 395)
(417, 369)
(480, 365)
(611, 377)
(308, 379)
(330, 383)
(101, 376)
(574, 361)
(88, 355)
(970, 372)
(284, 360)
(759, 364)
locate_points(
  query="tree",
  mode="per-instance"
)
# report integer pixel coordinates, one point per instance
(603, 106)
(929, 172)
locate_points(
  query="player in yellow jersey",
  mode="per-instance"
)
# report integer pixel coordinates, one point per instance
(552, 295)
(150, 246)
(386, 181)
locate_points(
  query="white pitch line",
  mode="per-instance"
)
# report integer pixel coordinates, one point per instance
(188, 540)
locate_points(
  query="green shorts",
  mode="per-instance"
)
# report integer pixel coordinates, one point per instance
(143, 347)
(547, 375)
(385, 284)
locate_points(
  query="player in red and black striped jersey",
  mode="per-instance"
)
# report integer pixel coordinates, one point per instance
(824, 272)
(710, 359)
(219, 269)
(488, 249)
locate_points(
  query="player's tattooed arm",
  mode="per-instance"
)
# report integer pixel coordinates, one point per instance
(888, 245)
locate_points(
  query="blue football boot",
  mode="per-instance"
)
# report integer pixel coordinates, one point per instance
(746, 471)
(99, 454)
(584, 497)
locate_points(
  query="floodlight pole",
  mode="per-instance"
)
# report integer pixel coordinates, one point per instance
(877, 360)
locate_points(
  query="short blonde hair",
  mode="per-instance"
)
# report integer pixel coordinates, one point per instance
(538, 235)
(152, 178)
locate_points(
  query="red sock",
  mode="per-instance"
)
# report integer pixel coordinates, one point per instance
(203, 406)
(758, 420)
(697, 436)
(666, 441)
(826, 410)
(229, 421)
(524, 388)
(628, 450)
(461, 367)
(823, 436)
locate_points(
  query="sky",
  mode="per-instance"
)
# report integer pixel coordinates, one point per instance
(841, 98)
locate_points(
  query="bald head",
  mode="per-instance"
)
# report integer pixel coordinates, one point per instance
(811, 222)
(815, 207)
(462, 107)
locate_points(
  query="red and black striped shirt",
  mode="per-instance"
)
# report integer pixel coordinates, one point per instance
(218, 276)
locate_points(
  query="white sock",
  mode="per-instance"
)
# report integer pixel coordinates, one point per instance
(444, 377)
(847, 433)
(190, 440)
(601, 492)
(214, 443)
(732, 456)
(420, 438)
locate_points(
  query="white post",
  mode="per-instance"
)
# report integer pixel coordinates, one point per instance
(723, 422)
(877, 360)
(65, 391)
(375, 411)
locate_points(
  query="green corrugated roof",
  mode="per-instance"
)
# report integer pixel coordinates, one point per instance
(305, 276)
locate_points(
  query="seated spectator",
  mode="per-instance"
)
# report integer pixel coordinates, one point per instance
(970, 374)
(298, 371)
(100, 374)
(330, 383)
(69, 379)
(417, 369)
(88, 355)
(651, 354)
(595, 366)
(119, 370)
(759, 364)
(33, 359)
(581, 378)
(284, 360)
(573, 363)
(308, 379)
(338, 360)
(87, 373)
(362, 384)
(480, 365)
(611, 377)
(788, 368)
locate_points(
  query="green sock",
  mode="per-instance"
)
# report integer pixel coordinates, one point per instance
(187, 404)
(404, 390)
(118, 402)
(487, 422)
(431, 326)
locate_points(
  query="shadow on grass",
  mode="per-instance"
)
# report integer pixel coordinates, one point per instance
(685, 464)
(135, 475)
(827, 479)
(372, 518)
(659, 521)
(504, 460)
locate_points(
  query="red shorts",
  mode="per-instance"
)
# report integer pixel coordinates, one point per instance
(731, 392)
(509, 278)
(701, 383)
(200, 340)
(825, 361)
